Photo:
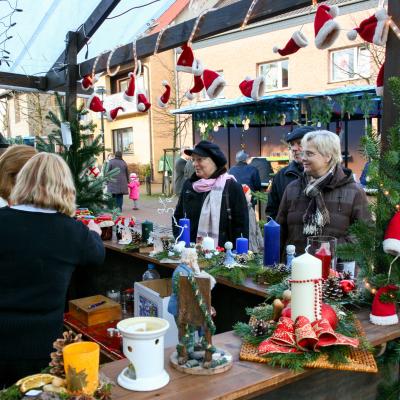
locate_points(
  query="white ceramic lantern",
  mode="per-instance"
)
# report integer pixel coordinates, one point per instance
(143, 345)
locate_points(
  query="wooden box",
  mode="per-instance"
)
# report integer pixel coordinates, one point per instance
(87, 311)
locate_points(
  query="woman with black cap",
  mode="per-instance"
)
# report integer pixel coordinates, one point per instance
(212, 199)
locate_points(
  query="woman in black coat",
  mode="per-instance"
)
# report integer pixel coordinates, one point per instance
(212, 199)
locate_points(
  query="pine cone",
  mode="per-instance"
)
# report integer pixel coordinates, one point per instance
(242, 258)
(347, 275)
(57, 361)
(281, 268)
(136, 238)
(260, 328)
(332, 289)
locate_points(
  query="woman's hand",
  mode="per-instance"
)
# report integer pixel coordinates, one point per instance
(94, 227)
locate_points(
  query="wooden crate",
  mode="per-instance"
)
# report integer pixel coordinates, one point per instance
(108, 311)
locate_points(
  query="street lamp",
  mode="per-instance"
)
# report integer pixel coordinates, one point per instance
(101, 90)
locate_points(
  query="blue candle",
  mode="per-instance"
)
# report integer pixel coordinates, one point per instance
(185, 222)
(272, 233)
(242, 245)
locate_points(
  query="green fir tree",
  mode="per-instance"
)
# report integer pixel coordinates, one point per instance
(80, 156)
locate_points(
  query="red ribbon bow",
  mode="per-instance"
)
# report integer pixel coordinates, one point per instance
(301, 335)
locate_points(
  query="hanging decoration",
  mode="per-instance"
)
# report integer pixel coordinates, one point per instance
(196, 25)
(203, 127)
(295, 43)
(213, 82)
(95, 104)
(248, 14)
(246, 124)
(383, 310)
(111, 115)
(379, 80)
(93, 171)
(158, 41)
(88, 81)
(129, 94)
(186, 61)
(142, 102)
(163, 100)
(216, 126)
(197, 87)
(115, 72)
(253, 88)
(326, 28)
(66, 134)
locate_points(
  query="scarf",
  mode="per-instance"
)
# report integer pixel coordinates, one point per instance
(316, 215)
(211, 209)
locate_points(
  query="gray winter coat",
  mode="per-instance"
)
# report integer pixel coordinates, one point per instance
(119, 184)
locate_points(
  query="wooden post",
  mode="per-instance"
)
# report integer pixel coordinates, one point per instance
(71, 75)
(392, 68)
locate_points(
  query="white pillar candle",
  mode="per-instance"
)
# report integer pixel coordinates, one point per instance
(306, 287)
(208, 243)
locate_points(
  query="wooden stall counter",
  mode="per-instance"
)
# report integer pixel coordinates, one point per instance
(252, 380)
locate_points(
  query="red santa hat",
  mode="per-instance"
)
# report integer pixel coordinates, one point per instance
(186, 61)
(379, 81)
(112, 114)
(391, 241)
(129, 94)
(383, 312)
(142, 103)
(95, 104)
(197, 87)
(87, 82)
(253, 88)
(325, 27)
(297, 41)
(163, 100)
(213, 82)
(373, 29)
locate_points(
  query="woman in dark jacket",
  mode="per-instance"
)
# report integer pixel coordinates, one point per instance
(325, 200)
(212, 199)
(118, 186)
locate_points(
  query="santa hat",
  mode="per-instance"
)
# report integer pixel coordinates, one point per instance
(213, 82)
(253, 88)
(95, 104)
(142, 103)
(297, 41)
(379, 81)
(391, 241)
(325, 27)
(88, 82)
(373, 29)
(186, 61)
(163, 100)
(112, 114)
(129, 94)
(383, 312)
(197, 87)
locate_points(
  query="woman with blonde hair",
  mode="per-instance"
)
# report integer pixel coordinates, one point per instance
(11, 161)
(325, 200)
(40, 247)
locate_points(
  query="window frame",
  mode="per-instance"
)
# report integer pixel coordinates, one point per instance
(115, 133)
(276, 61)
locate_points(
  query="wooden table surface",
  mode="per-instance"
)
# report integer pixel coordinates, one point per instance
(243, 381)
(248, 286)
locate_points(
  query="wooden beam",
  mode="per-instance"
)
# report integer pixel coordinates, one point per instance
(222, 20)
(72, 75)
(8, 79)
(87, 30)
(392, 68)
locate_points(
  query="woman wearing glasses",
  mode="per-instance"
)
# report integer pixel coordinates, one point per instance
(325, 200)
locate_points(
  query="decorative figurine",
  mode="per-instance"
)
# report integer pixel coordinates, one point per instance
(229, 257)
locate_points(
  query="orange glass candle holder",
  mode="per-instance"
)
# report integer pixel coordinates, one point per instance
(81, 364)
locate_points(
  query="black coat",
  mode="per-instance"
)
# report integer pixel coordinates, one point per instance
(246, 175)
(281, 180)
(191, 202)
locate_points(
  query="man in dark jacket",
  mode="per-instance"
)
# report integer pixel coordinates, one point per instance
(118, 186)
(246, 174)
(289, 173)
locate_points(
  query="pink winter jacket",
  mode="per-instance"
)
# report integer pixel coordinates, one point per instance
(134, 189)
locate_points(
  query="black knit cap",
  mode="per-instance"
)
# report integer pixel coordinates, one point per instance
(208, 149)
(298, 133)
(3, 142)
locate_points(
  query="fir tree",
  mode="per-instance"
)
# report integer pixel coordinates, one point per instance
(80, 156)
(383, 176)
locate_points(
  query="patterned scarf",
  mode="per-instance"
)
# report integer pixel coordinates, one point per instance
(316, 215)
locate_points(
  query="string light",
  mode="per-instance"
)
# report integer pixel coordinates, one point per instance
(248, 14)
(216, 126)
(159, 39)
(246, 124)
(95, 63)
(203, 126)
(368, 287)
(196, 24)
(394, 27)
(109, 60)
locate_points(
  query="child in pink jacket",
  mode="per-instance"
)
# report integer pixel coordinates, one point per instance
(133, 186)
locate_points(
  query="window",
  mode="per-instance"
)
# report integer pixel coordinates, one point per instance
(276, 74)
(350, 63)
(123, 140)
(204, 95)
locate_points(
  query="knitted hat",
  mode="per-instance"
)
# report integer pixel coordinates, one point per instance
(163, 100)
(297, 41)
(241, 156)
(391, 241)
(142, 103)
(95, 104)
(253, 88)
(325, 27)
(186, 61)
(373, 29)
(112, 114)
(132, 175)
(379, 81)
(298, 133)
(383, 312)
(213, 82)
(197, 87)
(129, 94)
(208, 149)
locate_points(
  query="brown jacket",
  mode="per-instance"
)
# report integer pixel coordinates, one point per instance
(344, 199)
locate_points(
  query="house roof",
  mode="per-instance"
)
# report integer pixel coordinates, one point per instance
(169, 15)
